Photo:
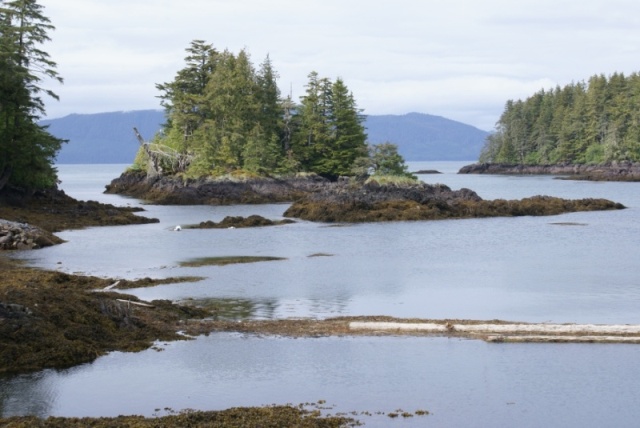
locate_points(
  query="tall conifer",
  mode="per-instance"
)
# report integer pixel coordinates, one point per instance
(27, 150)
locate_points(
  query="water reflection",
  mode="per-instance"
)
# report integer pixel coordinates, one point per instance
(239, 309)
(235, 309)
(462, 382)
(525, 269)
(29, 394)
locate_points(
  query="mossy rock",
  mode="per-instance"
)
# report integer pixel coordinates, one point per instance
(437, 209)
(240, 222)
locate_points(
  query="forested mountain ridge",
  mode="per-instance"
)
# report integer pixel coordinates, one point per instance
(108, 137)
(581, 123)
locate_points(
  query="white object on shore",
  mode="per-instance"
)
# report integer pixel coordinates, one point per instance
(109, 287)
(514, 328)
(177, 228)
(515, 332)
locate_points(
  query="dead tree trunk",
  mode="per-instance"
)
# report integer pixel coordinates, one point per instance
(153, 167)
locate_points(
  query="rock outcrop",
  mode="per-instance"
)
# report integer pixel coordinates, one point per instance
(52, 211)
(372, 203)
(317, 199)
(168, 190)
(232, 222)
(21, 236)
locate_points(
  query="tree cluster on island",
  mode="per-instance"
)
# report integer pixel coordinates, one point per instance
(224, 116)
(581, 123)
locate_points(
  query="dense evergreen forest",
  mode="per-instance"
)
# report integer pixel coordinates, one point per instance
(581, 123)
(226, 116)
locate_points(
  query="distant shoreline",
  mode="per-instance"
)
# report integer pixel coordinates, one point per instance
(613, 171)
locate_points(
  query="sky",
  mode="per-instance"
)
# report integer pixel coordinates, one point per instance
(460, 59)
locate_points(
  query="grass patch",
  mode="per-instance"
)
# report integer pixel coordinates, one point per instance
(397, 180)
(226, 260)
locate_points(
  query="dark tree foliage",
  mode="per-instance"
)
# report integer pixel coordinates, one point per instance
(231, 117)
(385, 160)
(183, 99)
(27, 150)
(330, 136)
(593, 122)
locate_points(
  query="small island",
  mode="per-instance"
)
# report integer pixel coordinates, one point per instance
(313, 154)
(233, 222)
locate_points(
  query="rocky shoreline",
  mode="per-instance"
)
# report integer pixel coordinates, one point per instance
(317, 199)
(228, 190)
(372, 203)
(28, 222)
(614, 171)
(22, 236)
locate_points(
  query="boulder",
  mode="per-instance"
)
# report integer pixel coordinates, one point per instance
(22, 236)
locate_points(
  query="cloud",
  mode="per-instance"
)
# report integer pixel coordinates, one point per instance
(460, 59)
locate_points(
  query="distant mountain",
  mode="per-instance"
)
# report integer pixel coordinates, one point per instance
(109, 137)
(422, 137)
(103, 137)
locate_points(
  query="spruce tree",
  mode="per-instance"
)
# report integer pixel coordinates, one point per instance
(348, 135)
(311, 138)
(330, 135)
(27, 150)
(184, 97)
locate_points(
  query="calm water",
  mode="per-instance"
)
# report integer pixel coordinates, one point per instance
(526, 269)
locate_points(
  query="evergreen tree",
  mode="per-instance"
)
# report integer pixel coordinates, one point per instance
(330, 135)
(184, 97)
(27, 150)
(311, 138)
(268, 98)
(348, 134)
(582, 122)
(385, 160)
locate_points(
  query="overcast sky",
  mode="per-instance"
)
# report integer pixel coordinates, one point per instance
(461, 59)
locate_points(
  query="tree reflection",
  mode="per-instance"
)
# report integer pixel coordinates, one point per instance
(28, 394)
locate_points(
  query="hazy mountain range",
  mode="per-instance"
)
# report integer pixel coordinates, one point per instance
(109, 137)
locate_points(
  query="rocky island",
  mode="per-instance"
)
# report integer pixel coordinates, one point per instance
(346, 200)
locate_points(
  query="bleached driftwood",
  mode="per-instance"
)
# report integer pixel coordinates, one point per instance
(513, 332)
(109, 287)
